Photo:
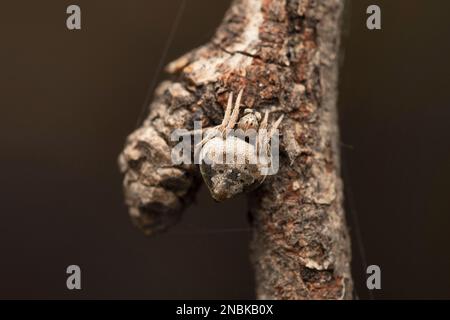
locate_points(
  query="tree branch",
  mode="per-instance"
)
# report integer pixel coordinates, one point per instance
(284, 52)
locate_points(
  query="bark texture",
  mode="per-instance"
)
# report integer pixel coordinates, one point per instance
(284, 52)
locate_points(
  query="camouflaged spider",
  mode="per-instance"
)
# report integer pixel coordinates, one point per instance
(231, 164)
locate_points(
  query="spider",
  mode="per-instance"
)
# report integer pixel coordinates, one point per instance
(250, 120)
(230, 164)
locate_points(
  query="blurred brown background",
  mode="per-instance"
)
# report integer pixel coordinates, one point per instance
(69, 98)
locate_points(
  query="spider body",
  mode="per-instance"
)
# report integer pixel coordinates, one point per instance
(250, 120)
(224, 174)
(231, 161)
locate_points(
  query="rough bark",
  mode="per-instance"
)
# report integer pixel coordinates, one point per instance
(284, 52)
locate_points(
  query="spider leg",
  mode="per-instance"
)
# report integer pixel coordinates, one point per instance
(262, 130)
(265, 137)
(235, 114)
(263, 124)
(274, 127)
(195, 132)
(211, 133)
(226, 117)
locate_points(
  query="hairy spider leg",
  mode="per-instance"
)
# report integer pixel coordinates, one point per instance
(263, 124)
(226, 117)
(262, 130)
(235, 114)
(274, 127)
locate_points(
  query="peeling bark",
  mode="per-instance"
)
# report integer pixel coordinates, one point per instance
(284, 52)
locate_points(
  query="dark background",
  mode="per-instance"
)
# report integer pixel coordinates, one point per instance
(69, 98)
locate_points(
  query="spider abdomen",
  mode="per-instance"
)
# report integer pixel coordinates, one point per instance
(229, 166)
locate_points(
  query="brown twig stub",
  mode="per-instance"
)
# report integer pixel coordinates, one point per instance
(284, 52)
